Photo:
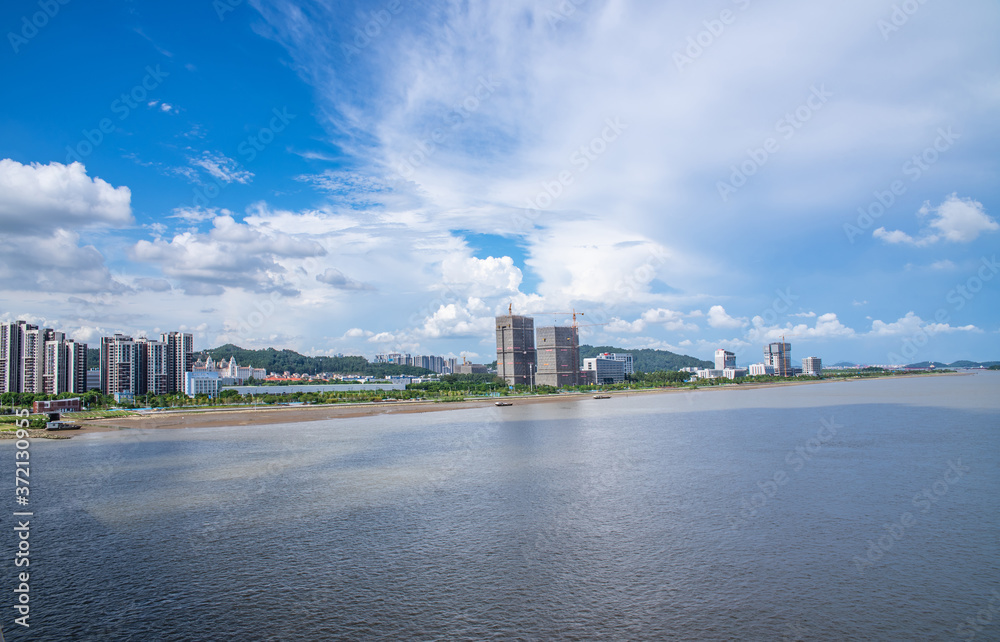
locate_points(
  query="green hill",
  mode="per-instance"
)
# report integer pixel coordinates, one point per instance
(288, 360)
(647, 360)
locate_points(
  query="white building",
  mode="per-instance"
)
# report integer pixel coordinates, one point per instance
(607, 371)
(710, 373)
(758, 369)
(812, 366)
(734, 373)
(724, 359)
(201, 383)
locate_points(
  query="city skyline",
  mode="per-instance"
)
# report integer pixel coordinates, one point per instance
(322, 190)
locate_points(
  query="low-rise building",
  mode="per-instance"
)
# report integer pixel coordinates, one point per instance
(57, 405)
(710, 373)
(201, 383)
(734, 373)
(606, 371)
(759, 369)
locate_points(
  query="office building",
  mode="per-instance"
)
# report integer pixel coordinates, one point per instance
(724, 359)
(558, 350)
(606, 371)
(710, 373)
(201, 383)
(734, 373)
(620, 356)
(812, 366)
(779, 357)
(516, 352)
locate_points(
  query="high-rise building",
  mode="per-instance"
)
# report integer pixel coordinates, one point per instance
(154, 366)
(180, 358)
(76, 376)
(812, 366)
(55, 367)
(33, 360)
(558, 349)
(779, 356)
(515, 349)
(120, 365)
(11, 342)
(724, 359)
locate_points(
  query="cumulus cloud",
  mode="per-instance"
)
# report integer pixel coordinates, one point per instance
(473, 318)
(489, 276)
(911, 324)
(957, 220)
(670, 319)
(718, 318)
(36, 198)
(55, 263)
(827, 326)
(230, 255)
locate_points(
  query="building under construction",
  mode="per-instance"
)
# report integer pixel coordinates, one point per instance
(516, 349)
(558, 356)
(779, 356)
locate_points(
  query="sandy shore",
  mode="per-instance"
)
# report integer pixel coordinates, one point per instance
(295, 414)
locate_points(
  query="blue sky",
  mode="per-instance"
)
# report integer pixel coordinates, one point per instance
(387, 176)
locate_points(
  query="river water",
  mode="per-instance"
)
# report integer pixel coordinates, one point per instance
(865, 510)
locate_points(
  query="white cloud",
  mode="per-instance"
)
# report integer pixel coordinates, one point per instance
(805, 315)
(490, 276)
(944, 264)
(471, 319)
(718, 318)
(36, 198)
(912, 325)
(222, 168)
(958, 220)
(230, 255)
(357, 333)
(671, 320)
(827, 326)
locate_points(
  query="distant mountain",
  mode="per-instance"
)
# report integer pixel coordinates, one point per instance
(927, 364)
(287, 360)
(649, 360)
(843, 364)
(964, 363)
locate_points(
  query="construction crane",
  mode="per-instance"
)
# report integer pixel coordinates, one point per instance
(573, 313)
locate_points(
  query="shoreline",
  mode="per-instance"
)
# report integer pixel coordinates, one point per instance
(228, 417)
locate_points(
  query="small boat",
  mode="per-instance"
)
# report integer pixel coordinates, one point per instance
(602, 396)
(503, 403)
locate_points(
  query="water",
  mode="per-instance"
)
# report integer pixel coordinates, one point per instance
(745, 514)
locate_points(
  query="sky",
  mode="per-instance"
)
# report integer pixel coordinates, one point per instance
(367, 177)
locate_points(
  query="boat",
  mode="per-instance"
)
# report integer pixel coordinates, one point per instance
(602, 396)
(503, 403)
(61, 425)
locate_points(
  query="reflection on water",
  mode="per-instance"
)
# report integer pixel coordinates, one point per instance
(709, 515)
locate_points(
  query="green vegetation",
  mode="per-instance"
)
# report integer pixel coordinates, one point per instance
(289, 361)
(649, 360)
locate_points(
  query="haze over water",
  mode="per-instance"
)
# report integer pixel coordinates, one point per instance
(646, 517)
